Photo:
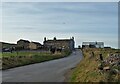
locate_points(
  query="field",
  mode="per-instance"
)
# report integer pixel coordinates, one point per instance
(15, 59)
(23, 53)
(88, 69)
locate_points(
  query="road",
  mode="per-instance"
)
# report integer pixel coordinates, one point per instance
(50, 71)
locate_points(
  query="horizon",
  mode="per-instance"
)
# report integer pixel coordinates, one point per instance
(86, 22)
(58, 39)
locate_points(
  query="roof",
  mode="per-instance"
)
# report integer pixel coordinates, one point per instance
(23, 41)
(92, 43)
(59, 40)
(36, 43)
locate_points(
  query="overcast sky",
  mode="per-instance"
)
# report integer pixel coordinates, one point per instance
(36, 20)
(59, 0)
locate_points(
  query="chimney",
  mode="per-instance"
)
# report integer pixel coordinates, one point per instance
(44, 38)
(54, 38)
(73, 38)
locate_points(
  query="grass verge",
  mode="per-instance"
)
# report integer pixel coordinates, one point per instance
(87, 70)
(11, 60)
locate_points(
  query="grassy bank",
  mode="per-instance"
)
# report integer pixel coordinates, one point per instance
(87, 70)
(11, 60)
(21, 53)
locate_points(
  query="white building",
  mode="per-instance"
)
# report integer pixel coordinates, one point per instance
(93, 45)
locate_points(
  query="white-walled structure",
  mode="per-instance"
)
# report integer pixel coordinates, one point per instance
(93, 45)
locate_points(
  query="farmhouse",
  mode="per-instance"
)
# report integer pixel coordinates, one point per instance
(35, 45)
(59, 43)
(24, 44)
(93, 45)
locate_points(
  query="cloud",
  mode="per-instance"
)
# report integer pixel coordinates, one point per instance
(60, 1)
(30, 19)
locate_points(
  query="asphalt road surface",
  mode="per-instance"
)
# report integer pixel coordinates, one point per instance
(50, 71)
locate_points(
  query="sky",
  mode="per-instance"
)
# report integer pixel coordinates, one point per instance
(60, 0)
(94, 21)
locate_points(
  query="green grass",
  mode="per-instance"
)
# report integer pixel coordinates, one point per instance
(11, 60)
(87, 70)
(0, 54)
(8, 54)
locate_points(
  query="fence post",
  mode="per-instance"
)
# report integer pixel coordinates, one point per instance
(101, 57)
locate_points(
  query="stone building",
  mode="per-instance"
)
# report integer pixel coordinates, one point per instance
(24, 44)
(93, 45)
(59, 43)
(35, 45)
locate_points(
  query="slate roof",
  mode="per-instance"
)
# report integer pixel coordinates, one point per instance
(59, 40)
(36, 43)
(26, 41)
(93, 43)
